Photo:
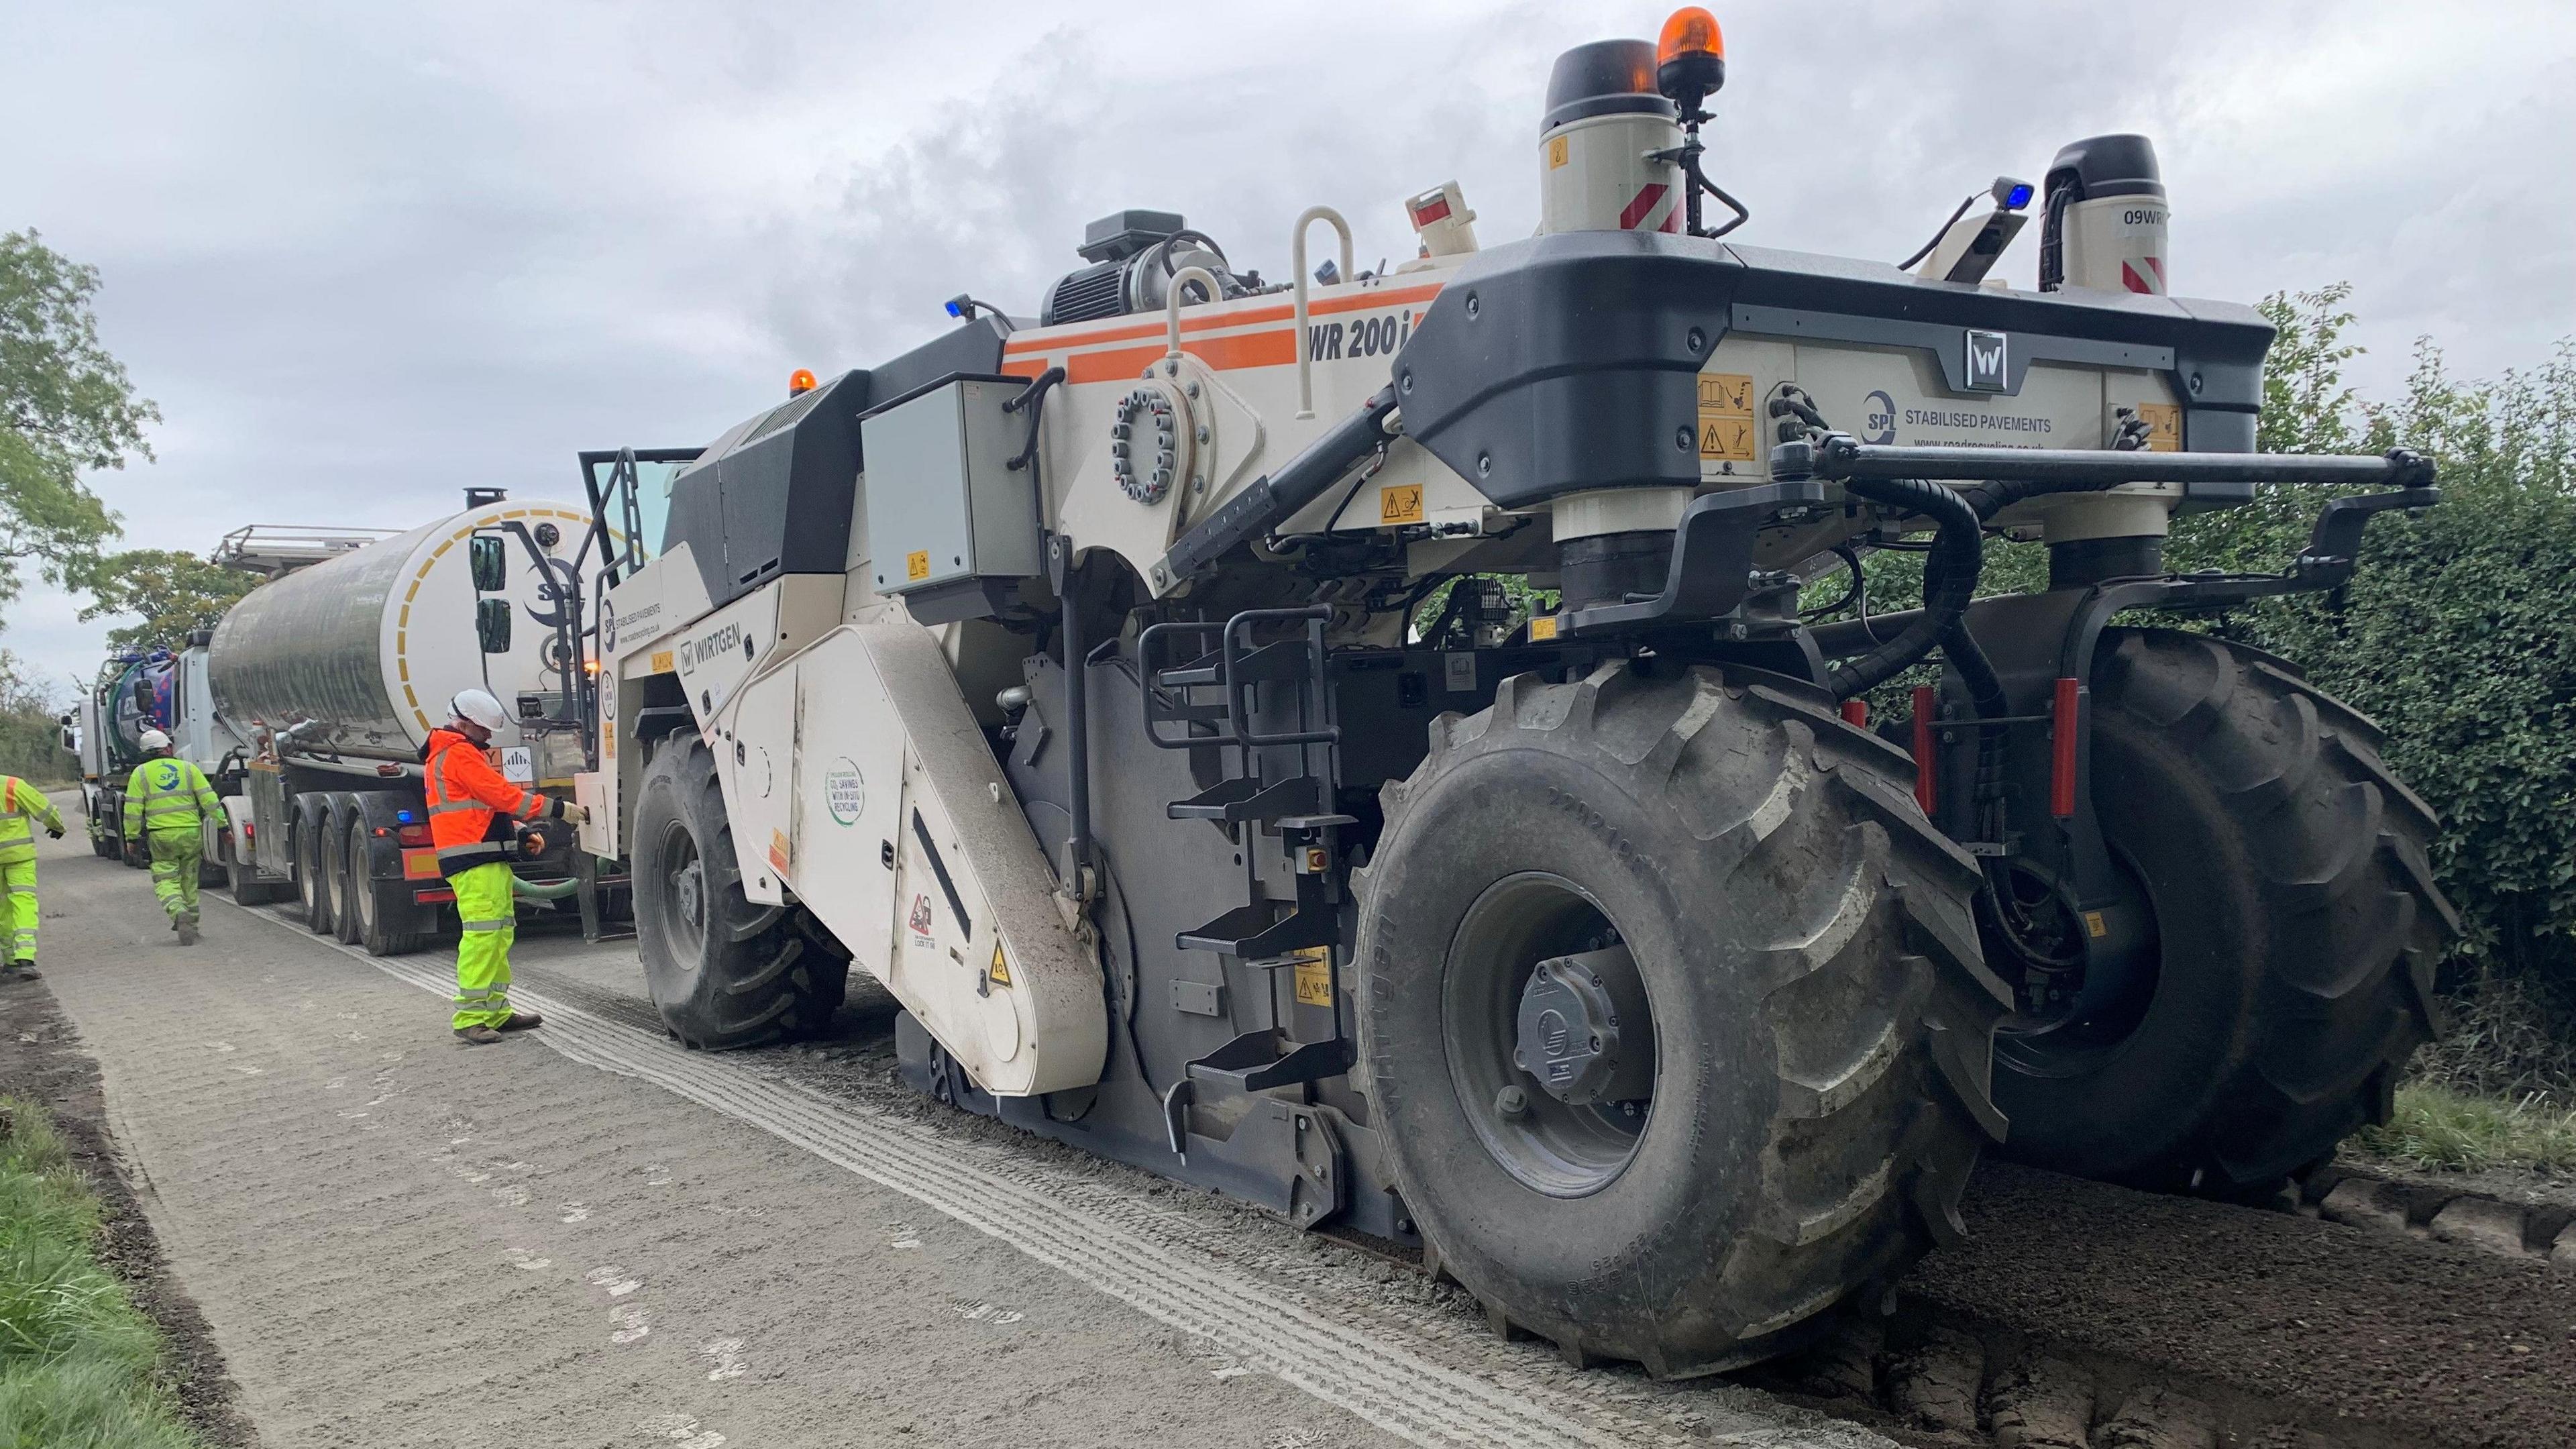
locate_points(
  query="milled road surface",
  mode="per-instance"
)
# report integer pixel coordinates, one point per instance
(590, 1237)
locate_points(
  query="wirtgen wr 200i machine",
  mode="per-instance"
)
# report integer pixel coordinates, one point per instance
(1088, 682)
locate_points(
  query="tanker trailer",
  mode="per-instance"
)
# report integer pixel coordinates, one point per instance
(337, 673)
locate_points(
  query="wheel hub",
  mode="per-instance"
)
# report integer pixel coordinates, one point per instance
(689, 893)
(1569, 1030)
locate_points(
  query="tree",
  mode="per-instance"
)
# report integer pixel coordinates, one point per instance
(66, 408)
(172, 593)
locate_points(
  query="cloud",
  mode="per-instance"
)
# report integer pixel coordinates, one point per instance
(366, 256)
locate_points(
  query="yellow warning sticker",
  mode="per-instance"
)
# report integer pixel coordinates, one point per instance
(1558, 152)
(2093, 925)
(1542, 628)
(1726, 392)
(1726, 432)
(608, 738)
(661, 661)
(1314, 976)
(999, 973)
(2164, 426)
(916, 565)
(1399, 503)
(780, 852)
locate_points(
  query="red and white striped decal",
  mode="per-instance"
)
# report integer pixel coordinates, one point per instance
(2129, 277)
(1642, 205)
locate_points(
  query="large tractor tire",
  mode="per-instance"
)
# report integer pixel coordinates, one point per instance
(2296, 927)
(722, 971)
(1714, 905)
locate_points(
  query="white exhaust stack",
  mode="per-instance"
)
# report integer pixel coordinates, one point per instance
(2106, 218)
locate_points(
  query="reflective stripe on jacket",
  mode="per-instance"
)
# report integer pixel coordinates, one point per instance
(167, 793)
(22, 806)
(471, 804)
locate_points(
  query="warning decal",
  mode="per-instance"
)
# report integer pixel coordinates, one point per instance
(2164, 426)
(780, 852)
(916, 565)
(1399, 503)
(1726, 433)
(999, 973)
(1314, 976)
(1542, 628)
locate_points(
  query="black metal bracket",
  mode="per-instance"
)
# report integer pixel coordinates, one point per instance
(1711, 570)
(1839, 457)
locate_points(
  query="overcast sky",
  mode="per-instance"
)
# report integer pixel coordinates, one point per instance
(366, 255)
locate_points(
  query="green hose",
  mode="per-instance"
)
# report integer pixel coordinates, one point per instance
(527, 890)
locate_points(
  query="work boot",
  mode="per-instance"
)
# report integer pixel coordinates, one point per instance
(21, 969)
(478, 1035)
(522, 1020)
(186, 926)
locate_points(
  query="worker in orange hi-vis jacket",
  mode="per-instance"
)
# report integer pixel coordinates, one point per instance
(472, 809)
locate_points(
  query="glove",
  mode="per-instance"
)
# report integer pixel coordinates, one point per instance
(55, 831)
(574, 814)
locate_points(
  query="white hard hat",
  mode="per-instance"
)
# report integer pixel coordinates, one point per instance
(479, 706)
(155, 740)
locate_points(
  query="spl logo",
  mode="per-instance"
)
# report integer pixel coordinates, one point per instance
(1878, 419)
(1986, 369)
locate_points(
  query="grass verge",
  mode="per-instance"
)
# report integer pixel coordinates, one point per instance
(2435, 1128)
(78, 1361)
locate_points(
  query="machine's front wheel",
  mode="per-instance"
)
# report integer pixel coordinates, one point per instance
(2286, 973)
(1671, 1012)
(722, 971)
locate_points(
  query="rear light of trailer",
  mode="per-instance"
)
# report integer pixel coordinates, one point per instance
(433, 898)
(413, 834)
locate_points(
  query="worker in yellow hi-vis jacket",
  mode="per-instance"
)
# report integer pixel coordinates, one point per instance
(22, 808)
(167, 800)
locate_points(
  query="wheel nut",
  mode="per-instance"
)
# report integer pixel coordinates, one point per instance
(1512, 1103)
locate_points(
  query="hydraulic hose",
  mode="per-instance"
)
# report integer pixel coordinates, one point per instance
(1949, 581)
(555, 890)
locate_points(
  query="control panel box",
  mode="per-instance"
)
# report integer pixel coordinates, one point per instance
(952, 526)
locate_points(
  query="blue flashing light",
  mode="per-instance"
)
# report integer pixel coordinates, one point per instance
(402, 817)
(2018, 198)
(955, 310)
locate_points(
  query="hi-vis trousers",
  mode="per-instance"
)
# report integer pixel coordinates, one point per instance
(18, 878)
(483, 952)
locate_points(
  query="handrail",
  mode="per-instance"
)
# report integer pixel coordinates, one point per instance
(1172, 303)
(1297, 264)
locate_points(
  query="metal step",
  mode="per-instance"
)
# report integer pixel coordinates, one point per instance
(1247, 798)
(1253, 1062)
(1258, 932)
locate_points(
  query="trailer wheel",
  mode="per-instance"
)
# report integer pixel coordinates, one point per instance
(1671, 1012)
(344, 824)
(311, 869)
(2296, 919)
(722, 971)
(382, 914)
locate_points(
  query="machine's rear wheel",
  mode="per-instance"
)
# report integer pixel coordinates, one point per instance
(2295, 926)
(722, 971)
(1671, 1012)
(312, 864)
